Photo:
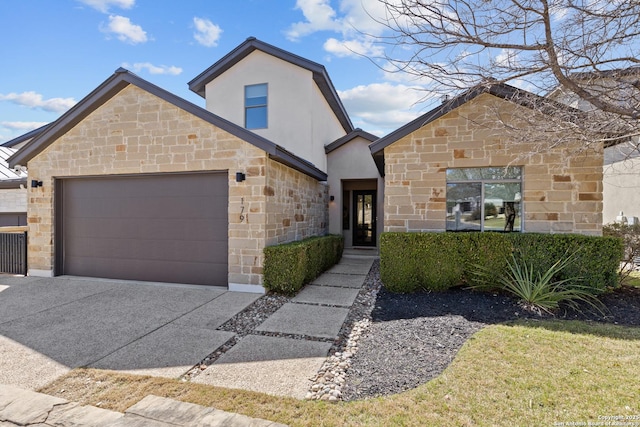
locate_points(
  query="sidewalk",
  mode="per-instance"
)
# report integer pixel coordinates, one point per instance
(20, 407)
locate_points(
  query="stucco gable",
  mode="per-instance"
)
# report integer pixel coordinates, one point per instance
(320, 75)
(348, 138)
(123, 78)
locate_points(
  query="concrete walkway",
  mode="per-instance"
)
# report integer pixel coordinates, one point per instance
(274, 359)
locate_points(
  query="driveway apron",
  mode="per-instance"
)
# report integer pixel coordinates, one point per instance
(49, 326)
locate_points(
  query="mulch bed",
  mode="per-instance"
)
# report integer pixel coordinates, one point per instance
(414, 337)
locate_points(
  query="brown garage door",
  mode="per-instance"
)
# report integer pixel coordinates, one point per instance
(162, 228)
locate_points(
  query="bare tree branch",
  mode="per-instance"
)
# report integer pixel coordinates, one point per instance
(583, 53)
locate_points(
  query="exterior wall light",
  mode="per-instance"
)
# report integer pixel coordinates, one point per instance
(35, 183)
(240, 177)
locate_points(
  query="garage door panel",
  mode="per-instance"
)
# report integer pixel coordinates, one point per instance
(171, 228)
(159, 230)
(139, 270)
(195, 251)
(178, 207)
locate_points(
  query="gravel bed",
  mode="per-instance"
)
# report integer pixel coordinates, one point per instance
(391, 343)
(413, 337)
(328, 384)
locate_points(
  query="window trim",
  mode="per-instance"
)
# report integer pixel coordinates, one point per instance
(250, 107)
(483, 182)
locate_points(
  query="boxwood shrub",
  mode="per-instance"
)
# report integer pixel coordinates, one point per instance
(410, 262)
(288, 267)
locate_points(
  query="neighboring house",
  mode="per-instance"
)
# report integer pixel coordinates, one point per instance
(621, 183)
(136, 183)
(621, 170)
(21, 141)
(13, 192)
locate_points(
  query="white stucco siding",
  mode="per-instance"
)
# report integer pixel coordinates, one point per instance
(295, 120)
(352, 161)
(325, 127)
(621, 182)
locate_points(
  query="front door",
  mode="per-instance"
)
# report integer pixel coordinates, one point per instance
(364, 218)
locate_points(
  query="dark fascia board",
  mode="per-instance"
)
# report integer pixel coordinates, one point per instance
(349, 137)
(320, 75)
(27, 136)
(287, 158)
(498, 89)
(13, 183)
(121, 79)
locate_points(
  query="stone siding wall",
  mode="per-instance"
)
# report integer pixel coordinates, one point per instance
(297, 205)
(13, 200)
(136, 132)
(562, 191)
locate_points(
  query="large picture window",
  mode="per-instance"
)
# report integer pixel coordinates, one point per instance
(255, 106)
(484, 199)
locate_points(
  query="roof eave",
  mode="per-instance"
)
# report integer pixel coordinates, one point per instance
(13, 183)
(121, 79)
(24, 137)
(347, 138)
(289, 159)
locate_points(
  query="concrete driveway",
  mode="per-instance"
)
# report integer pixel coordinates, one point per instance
(49, 326)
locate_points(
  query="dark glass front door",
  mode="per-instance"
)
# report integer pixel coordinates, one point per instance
(364, 218)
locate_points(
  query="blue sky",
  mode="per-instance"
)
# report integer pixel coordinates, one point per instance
(55, 52)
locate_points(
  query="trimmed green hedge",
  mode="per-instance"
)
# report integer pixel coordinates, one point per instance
(289, 266)
(411, 262)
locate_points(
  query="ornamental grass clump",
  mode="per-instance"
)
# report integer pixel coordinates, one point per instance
(537, 291)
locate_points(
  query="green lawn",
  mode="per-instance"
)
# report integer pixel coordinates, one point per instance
(633, 279)
(521, 374)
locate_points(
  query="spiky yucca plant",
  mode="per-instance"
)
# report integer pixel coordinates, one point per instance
(538, 291)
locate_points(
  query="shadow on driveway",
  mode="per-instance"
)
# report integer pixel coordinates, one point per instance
(51, 325)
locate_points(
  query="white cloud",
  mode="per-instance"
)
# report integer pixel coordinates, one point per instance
(11, 130)
(125, 30)
(207, 33)
(34, 100)
(104, 5)
(319, 15)
(364, 16)
(153, 69)
(383, 107)
(353, 48)
(22, 126)
(358, 23)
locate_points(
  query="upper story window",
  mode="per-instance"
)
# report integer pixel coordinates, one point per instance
(484, 199)
(255, 106)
